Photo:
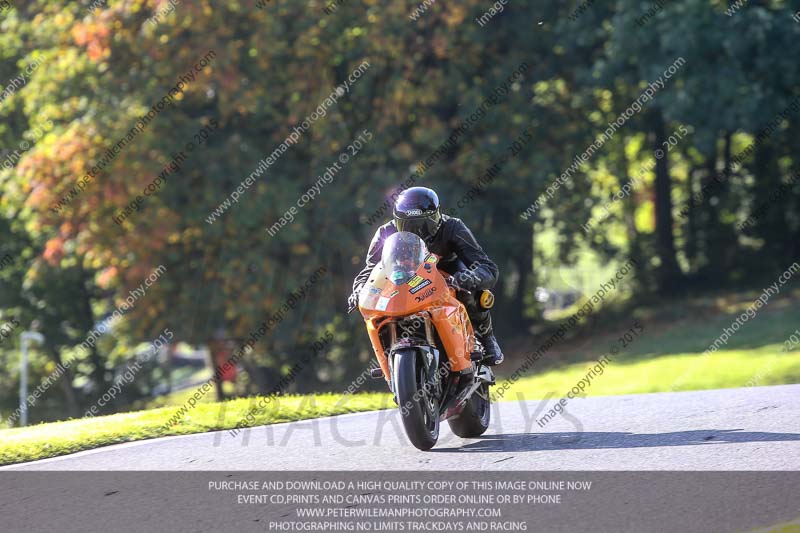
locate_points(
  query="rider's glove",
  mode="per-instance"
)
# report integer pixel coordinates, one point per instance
(452, 283)
(352, 302)
(467, 280)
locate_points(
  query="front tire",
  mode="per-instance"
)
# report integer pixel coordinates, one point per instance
(418, 410)
(474, 419)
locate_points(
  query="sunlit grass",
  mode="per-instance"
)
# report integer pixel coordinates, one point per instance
(60, 438)
(684, 371)
(666, 356)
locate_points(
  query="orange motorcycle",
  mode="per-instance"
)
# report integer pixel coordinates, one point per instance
(425, 343)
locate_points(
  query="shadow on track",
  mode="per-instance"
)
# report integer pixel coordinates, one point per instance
(522, 442)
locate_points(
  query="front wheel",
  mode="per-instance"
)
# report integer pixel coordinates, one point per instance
(474, 419)
(419, 408)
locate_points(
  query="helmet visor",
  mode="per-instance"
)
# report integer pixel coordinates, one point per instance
(424, 227)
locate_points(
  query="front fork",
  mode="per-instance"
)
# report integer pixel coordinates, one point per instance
(428, 353)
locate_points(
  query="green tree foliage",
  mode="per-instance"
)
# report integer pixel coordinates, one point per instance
(270, 67)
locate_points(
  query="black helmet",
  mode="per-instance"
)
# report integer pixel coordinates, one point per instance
(417, 211)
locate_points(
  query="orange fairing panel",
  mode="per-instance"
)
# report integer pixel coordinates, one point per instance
(455, 330)
(381, 297)
(381, 300)
(373, 326)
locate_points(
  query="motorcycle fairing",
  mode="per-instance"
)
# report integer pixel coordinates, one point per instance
(381, 301)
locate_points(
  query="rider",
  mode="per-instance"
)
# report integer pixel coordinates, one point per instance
(417, 211)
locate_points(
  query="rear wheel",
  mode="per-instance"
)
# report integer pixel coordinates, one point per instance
(474, 419)
(419, 409)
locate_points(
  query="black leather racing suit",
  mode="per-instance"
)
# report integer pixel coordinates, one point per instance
(459, 252)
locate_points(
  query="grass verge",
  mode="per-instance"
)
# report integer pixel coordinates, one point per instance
(667, 354)
(722, 370)
(61, 438)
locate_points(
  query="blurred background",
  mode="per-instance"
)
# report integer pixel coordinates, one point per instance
(114, 228)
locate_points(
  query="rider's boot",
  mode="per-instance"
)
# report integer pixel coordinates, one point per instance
(485, 334)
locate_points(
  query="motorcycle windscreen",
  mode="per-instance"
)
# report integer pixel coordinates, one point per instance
(403, 253)
(371, 297)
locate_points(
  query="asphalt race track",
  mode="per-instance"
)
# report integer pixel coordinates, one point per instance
(752, 429)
